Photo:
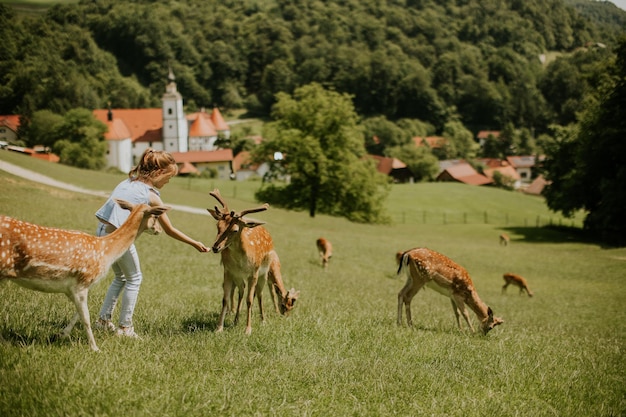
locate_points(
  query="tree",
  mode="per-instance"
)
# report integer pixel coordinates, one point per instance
(586, 163)
(317, 132)
(81, 140)
(42, 128)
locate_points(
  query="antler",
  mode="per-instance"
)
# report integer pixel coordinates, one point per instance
(254, 210)
(216, 194)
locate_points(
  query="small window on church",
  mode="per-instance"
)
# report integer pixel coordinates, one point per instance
(169, 111)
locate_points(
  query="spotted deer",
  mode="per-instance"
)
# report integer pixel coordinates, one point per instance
(504, 239)
(67, 261)
(247, 251)
(516, 280)
(325, 248)
(425, 267)
(283, 300)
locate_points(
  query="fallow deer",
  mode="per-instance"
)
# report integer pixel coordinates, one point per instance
(325, 248)
(518, 281)
(425, 267)
(283, 300)
(504, 239)
(247, 251)
(67, 261)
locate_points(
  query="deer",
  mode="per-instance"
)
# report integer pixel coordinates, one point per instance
(425, 267)
(518, 281)
(325, 249)
(55, 260)
(247, 252)
(504, 239)
(283, 300)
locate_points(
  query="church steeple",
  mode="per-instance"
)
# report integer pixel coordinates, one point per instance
(175, 129)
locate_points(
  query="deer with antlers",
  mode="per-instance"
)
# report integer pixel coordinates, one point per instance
(67, 261)
(516, 280)
(425, 267)
(325, 248)
(247, 252)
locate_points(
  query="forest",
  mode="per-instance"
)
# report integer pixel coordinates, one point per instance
(486, 63)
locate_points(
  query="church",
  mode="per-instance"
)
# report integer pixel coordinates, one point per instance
(189, 138)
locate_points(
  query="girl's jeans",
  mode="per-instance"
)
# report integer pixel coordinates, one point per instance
(127, 278)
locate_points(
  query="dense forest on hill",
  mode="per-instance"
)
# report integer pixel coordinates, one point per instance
(474, 61)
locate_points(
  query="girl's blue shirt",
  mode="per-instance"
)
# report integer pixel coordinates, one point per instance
(135, 192)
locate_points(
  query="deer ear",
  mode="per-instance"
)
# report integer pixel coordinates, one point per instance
(124, 204)
(292, 293)
(489, 312)
(252, 223)
(158, 210)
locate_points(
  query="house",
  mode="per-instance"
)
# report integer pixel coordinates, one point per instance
(523, 165)
(132, 131)
(220, 160)
(507, 171)
(8, 127)
(433, 142)
(483, 135)
(536, 187)
(244, 169)
(462, 172)
(38, 152)
(392, 167)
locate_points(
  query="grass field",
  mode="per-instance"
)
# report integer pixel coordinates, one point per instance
(560, 353)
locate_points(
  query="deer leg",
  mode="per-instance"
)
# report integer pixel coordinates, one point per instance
(240, 291)
(273, 295)
(455, 309)
(251, 291)
(80, 300)
(259, 295)
(228, 289)
(504, 287)
(460, 304)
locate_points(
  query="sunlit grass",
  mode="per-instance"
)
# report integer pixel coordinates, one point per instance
(560, 353)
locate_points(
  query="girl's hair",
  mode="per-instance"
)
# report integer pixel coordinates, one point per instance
(152, 163)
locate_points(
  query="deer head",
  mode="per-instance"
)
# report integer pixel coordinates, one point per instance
(229, 223)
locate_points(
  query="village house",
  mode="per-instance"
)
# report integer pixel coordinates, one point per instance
(132, 131)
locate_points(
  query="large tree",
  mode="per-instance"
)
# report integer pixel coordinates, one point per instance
(317, 131)
(587, 163)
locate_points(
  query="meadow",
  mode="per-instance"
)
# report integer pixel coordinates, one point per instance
(340, 352)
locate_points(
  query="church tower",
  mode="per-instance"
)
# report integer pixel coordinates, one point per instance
(174, 121)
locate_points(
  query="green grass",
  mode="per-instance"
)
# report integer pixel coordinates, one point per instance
(560, 353)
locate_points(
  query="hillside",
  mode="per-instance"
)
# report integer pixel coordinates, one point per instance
(427, 60)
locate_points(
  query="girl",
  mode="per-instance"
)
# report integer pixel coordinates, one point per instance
(154, 170)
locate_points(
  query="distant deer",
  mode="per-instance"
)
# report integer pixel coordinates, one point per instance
(518, 281)
(284, 301)
(325, 249)
(247, 251)
(425, 267)
(66, 261)
(504, 239)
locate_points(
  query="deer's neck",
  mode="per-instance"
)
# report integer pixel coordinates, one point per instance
(477, 305)
(122, 238)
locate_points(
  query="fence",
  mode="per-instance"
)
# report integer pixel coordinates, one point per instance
(485, 217)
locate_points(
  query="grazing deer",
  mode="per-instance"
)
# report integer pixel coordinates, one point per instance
(247, 252)
(425, 267)
(66, 261)
(518, 281)
(276, 288)
(504, 239)
(325, 249)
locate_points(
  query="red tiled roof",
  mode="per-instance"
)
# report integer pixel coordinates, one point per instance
(484, 134)
(492, 162)
(463, 173)
(144, 125)
(117, 130)
(12, 121)
(195, 157)
(218, 120)
(536, 187)
(508, 171)
(187, 168)
(430, 141)
(201, 125)
(386, 165)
